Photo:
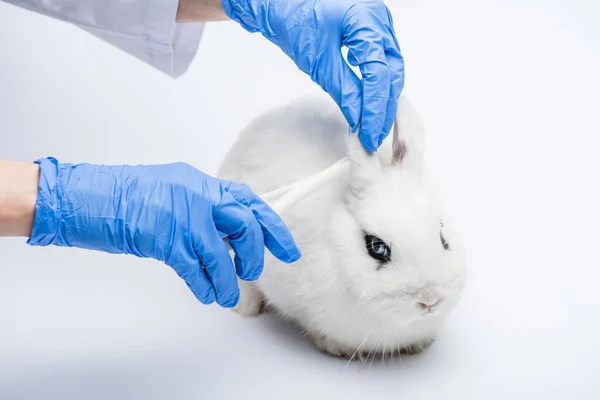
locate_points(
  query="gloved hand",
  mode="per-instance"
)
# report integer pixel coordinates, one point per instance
(172, 213)
(312, 33)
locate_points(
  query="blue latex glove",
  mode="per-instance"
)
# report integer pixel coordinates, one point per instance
(172, 213)
(312, 33)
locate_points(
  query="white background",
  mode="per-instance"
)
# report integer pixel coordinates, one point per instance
(508, 91)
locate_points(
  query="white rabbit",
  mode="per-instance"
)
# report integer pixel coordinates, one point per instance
(381, 267)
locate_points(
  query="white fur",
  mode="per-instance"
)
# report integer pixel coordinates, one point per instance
(335, 291)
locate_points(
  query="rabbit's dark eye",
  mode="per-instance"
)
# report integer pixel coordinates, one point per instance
(378, 249)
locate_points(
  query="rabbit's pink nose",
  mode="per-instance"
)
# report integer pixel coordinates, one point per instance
(429, 304)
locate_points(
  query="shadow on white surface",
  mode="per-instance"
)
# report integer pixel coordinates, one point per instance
(245, 369)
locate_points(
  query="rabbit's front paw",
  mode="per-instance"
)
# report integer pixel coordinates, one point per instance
(418, 347)
(251, 302)
(333, 348)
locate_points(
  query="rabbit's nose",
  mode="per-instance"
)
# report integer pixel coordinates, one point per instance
(427, 300)
(429, 304)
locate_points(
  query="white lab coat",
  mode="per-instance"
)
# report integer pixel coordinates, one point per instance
(146, 29)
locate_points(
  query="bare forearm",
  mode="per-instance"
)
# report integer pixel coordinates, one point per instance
(200, 11)
(18, 196)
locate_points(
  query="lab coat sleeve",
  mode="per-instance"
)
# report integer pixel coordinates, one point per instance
(146, 29)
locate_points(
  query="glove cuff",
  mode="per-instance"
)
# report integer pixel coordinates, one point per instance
(45, 230)
(75, 207)
(243, 12)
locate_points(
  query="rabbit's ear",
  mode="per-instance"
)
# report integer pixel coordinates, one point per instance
(365, 166)
(398, 146)
(407, 138)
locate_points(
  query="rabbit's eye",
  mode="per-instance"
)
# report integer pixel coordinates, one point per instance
(377, 248)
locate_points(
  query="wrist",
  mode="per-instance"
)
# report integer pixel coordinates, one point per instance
(18, 195)
(201, 11)
(45, 225)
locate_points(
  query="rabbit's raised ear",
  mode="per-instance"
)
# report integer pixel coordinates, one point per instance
(407, 139)
(365, 167)
(398, 146)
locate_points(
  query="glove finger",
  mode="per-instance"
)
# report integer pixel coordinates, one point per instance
(189, 269)
(341, 83)
(368, 34)
(245, 236)
(391, 29)
(277, 237)
(376, 94)
(214, 257)
(200, 285)
(396, 63)
(369, 54)
(351, 95)
(352, 60)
